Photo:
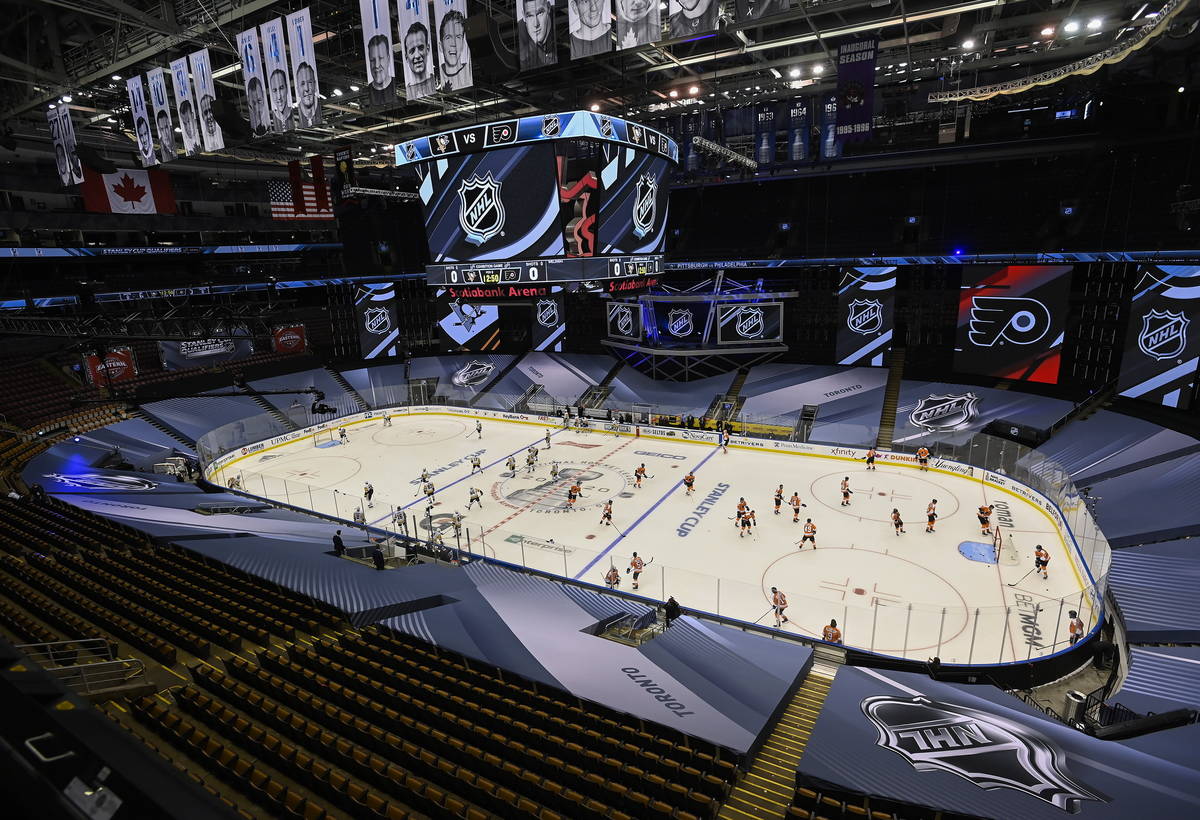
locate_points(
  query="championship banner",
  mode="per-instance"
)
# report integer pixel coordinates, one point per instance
(141, 121)
(157, 81)
(454, 55)
(117, 365)
(831, 146)
(279, 86)
(206, 92)
(749, 11)
(764, 134)
(343, 173)
(758, 323)
(638, 23)
(185, 106)
(797, 129)
(203, 352)
(549, 325)
(377, 46)
(416, 39)
(536, 44)
(590, 27)
(866, 302)
(289, 339)
(856, 88)
(1161, 347)
(304, 68)
(375, 308)
(254, 82)
(690, 18)
(66, 159)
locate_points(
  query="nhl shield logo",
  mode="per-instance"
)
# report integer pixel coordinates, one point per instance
(984, 748)
(547, 313)
(679, 323)
(481, 211)
(606, 128)
(749, 324)
(645, 205)
(472, 373)
(865, 316)
(944, 413)
(550, 125)
(102, 481)
(377, 320)
(1164, 334)
(622, 316)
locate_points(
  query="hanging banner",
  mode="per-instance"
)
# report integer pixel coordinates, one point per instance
(453, 52)
(689, 18)
(750, 10)
(420, 68)
(536, 44)
(690, 127)
(377, 45)
(254, 82)
(279, 86)
(117, 365)
(797, 114)
(764, 134)
(856, 88)
(831, 146)
(206, 91)
(66, 159)
(866, 303)
(343, 172)
(638, 23)
(157, 81)
(590, 27)
(289, 339)
(141, 121)
(185, 106)
(304, 69)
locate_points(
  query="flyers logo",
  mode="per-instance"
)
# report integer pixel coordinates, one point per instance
(999, 319)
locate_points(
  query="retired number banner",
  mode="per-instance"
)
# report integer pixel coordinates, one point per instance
(157, 81)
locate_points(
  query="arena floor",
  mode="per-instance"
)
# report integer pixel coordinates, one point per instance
(917, 594)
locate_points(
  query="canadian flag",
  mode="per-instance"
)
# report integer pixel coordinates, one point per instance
(128, 191)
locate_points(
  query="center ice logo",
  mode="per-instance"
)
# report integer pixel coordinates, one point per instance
(547, 313)
(679, 323)
(645, 205)
(481, 211)
(1164, 334)
(865, 316)
(749, 324)
(377, 320)
(942, 413)
(983, 748)
(472, 373)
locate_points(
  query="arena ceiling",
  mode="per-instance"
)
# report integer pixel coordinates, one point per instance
(54, 49)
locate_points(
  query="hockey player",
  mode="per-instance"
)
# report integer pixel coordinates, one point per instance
(896, 522)
(342, 437)
(368, 492)
(725, 440)
(779, 604)
(742, 507)
(831, 633)
(547, 439)
(530, 461)
(424, 474)
(573, 492)
(810, 533)
(689, 483)
(606, 516)
(985, 524)
(638, 475)
(533, 451)
(475, 465)
(359, 516)
(636, 565)
(1041, 560)
(478, 428)
(930, 515)
(744, 521)
(923, 458)
(846, 491)
(511, 464)
(429, 490)
(1075, 627)
(554, 470)
(387, 420)
(612, 578)
(796, 505)
(871, 455)
(476, 496)
(778, 498)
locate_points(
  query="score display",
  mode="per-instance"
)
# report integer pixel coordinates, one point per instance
(540, 271)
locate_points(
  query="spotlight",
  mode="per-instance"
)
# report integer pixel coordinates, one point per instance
(673, 94)
(694, 90)
(1048, 31)
(76, 439)
(110, 119)
(958, 251)
(1094, 24)
(116, 77)
(1071, 27)
(337, 92)
(354, 88)
(1180, 90)
(967, 44)
(794, 73)
(595, 107)
(66, 98)
(818, 69)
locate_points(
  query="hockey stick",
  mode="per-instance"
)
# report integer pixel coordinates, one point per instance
(1023, 577)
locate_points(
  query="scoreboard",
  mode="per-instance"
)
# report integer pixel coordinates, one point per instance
(540, 271)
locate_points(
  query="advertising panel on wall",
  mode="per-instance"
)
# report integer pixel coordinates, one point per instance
(739, 324)
(1011, 320)
(1161, 346)
(866, 299)
(634, 197)
(625, 321)
(203, 352)
(375, 309)
(465, 324)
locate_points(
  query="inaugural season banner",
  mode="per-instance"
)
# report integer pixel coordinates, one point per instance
(141, 121)
(206, 90)
(856, 88)
(254, 82)
(157, 81)
(185, 106)
(866, 299)
(375, 306)
(304, 68)
(1161, 347)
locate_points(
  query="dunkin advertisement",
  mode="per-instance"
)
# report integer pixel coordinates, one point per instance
(117, 365)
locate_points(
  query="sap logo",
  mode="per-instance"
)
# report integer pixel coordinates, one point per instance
(659, 455)
(999, 319)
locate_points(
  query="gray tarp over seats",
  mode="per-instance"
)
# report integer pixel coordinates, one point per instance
(383, 385)
(1156, 587)
(1106, 443)
(1154, 503)
(296, 406)
(196, 416)
(977, 751)
(140, 443)
(690, 398)
(850, 399)
(969, 416)
(1162, 678)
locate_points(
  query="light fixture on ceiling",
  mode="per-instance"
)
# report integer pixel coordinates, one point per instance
(337, 92)
(1180, 90)
(1071, 27)
(1048, 31)
(968, 44)
(117, 77)
(694, 90)
(673, 94)
(354, 88)
(595, 106)
(818, 69)
(1094, 24)
(65, 98)
(110, 119)
(794, 73)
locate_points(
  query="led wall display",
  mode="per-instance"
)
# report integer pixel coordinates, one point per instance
(866, 300)
(375, 309)
(739, 324)
(1162, 347)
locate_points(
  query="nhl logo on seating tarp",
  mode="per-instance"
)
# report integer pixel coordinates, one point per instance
(679, 323)
(377, 320)
(945, 412)
(547, 312)
(481, 214)
(550, 125)
(865, 316)
(986, 749)
(645, 205)
(1164, 334)
(749, 323)
(472, 373)
(102, 481)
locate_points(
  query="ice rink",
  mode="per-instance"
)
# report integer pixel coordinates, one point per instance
(915, 594)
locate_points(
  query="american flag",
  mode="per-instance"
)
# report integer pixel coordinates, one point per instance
(281, 202)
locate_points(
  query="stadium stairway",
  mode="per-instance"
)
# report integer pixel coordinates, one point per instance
(891, 399)
(157, 423)
(345, 385)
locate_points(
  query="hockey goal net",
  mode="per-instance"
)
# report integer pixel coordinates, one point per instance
(323, 437)
(1005, 549)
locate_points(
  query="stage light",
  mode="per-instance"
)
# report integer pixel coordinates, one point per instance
(337, 92)
(76, 439)
(66, 98)
(794, 73)
(1178, 90)
(595, 107)
(1071, 27)
(673, 94)
(354, 88)
(52, 106)
(1094, 24)
(818, 69)
(110, 119)
(1048, 31)
(967, 44)
(117, 77)
(958, 251)
(694, 90)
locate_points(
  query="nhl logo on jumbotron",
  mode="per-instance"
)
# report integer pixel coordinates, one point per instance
(481, 211)
(865, 316)
(749, 324)
(377, 320)
(550, 125)
(645, 205)
(1164, 334)
(679, 323)
(986, 749)
(472, 373)
(547, 313)
(622, 317)
(606, 128)
(942, 413)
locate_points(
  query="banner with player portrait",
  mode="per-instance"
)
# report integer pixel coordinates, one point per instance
(639, 22)
(549, 323)
(1011, 320)
(141, 121)
(416, 41)
(254, 82)
(279, 86)
(764, 133)
(690, 18)
(757, 323)
(304, 69)
(206, 93)
(157, 81)
(748, 11)
(1161, 346)
(185, 106)
(375, 311)
(590, 27)
(454, 55)
(377, 46)
(625, 321)
(866, 302)
(66, 157)
(856, 88)
(536, 44)
(797, 129)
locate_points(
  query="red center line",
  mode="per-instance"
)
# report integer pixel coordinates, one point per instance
(553, 490)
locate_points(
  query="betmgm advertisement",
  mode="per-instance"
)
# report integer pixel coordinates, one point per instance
(1161, 346)
(375, 312)
(866, 301)
(1011, 320)
(747, 324)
